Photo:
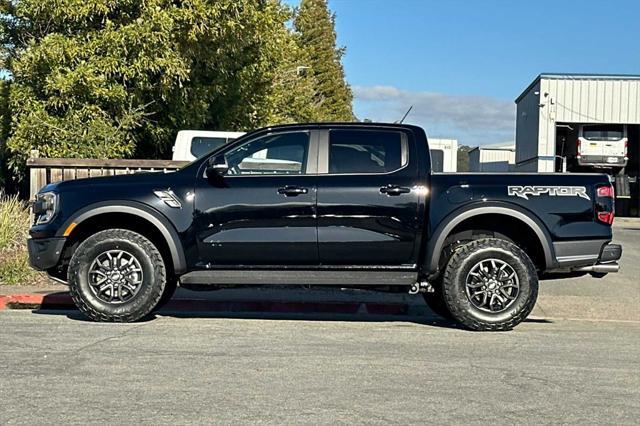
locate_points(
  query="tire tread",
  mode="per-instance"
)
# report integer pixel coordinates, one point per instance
(462, 315)
(115, 234)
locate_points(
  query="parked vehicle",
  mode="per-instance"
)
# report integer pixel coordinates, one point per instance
(349, 205)
(602, 146)
(193, 144)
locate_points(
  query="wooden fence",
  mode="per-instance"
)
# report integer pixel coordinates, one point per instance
(47, 170)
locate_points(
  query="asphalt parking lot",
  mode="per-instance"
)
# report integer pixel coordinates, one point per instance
(576, 361)
(211, 370)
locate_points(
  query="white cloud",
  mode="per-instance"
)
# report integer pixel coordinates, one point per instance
(471, 119)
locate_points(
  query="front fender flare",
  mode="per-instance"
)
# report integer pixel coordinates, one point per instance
(143, 211)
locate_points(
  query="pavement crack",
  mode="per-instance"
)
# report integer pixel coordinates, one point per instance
(108, 338)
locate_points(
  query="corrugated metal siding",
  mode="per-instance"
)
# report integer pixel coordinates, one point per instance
(527, 121)
(594, 100)
(496, 160)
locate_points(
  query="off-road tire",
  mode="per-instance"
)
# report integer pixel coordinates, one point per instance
(147, 297)
(435, 301)
(463, 260)
(169, 290)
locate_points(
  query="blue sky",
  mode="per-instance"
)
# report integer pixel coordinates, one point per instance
(461, 63)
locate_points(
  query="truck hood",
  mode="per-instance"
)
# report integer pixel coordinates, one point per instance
(141, 179)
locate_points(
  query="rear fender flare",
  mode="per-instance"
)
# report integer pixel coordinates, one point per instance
(436, 242)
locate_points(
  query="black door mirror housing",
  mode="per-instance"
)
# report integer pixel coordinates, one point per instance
(217, 166)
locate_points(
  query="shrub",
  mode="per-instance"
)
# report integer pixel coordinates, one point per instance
(14, 228)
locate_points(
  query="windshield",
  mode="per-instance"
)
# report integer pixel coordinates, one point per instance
(603, 132)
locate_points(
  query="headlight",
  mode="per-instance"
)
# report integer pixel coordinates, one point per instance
(45, 207)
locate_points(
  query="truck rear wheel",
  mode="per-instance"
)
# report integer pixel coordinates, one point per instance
(116, 275)
(490, 284)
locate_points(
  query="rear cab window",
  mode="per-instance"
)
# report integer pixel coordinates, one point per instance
(355, 151)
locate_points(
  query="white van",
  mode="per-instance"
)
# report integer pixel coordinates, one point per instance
(602, 145)
(192, 144)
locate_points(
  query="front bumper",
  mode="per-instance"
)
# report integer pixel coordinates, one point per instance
(44, 253)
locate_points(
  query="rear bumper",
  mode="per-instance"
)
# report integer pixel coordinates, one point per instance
(597, 256)
(601, 161)
(44, 253)
(608, 261)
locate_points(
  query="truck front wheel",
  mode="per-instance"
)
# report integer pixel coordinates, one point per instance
(490, 284)
(435, 301)
(116, 275)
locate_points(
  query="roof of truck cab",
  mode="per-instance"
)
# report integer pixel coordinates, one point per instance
(339, 123)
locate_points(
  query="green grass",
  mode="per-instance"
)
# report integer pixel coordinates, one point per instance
(14, 228)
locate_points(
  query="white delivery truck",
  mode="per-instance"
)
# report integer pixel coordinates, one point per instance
(192, 144)
(602, 146)
(444, 155)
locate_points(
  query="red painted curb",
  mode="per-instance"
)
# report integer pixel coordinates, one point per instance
(63, 300)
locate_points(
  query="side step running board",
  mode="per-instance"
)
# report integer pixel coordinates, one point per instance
(309, 277)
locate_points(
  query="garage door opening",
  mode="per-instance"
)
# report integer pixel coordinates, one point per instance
(613, 149)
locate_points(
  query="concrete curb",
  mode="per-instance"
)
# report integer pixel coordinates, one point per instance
(63, 301)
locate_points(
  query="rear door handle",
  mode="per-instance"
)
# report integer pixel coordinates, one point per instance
(292, 191)
(394, 190)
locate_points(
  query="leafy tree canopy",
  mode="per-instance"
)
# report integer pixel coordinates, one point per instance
(116, 78)
(316, 28)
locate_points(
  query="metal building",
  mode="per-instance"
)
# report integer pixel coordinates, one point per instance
(553, 106)
(444, 154)
(493, 158)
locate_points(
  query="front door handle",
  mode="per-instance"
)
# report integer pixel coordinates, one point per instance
(394, 190)
(292, 191)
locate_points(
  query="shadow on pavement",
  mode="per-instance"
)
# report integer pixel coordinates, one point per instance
(280, 304)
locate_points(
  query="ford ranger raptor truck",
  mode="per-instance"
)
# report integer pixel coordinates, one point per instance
(342, 204)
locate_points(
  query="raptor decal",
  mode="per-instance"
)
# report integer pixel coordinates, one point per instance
(553, 191)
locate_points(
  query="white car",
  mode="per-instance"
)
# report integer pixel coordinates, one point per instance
(602, 145)
(193, 144)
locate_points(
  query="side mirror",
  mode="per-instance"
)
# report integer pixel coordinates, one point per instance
(217, 166)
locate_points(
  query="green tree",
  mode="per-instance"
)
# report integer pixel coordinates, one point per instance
(5, 119)
(463, 158)
(316, 35)
(294, 91)
(114, 78)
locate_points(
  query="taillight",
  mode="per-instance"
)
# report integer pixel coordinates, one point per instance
(579, 149)
(605, 191)
(606, 217)
(626, 149)
(605, 204)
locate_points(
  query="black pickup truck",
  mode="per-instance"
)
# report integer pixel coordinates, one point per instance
(348, 205)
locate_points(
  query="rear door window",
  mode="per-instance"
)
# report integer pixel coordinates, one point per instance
(366, 151)
(603, 132)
